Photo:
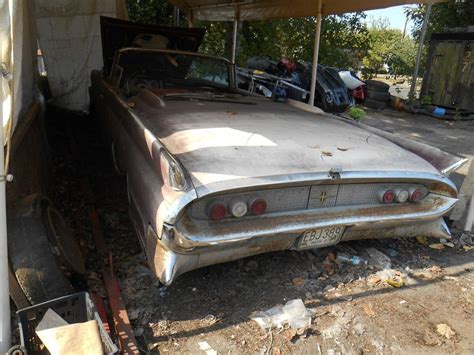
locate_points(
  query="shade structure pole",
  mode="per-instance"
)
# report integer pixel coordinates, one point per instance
(176, 16)
(4, 290)
(317, 37)
(234, 39)
(424, 27)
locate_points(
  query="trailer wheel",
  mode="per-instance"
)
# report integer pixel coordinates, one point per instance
(33, 258)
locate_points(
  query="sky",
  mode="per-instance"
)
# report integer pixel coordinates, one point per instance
(394, 14)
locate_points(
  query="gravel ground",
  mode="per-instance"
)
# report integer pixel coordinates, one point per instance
(208, 311)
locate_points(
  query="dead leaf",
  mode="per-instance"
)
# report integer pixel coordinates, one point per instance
(398, 282)
(302, 332)
(289, 334)
(315, 146)
(437, 246)
(422, 240)
(231, 113)
(374, 280)
(326, 154)
(435, 269)
(298, 281)
(445, 331)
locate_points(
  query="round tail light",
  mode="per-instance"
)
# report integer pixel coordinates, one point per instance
(387, 196)
(238, 208)
(402, 196)
(258, 206)
(416, 195)
(217, 211)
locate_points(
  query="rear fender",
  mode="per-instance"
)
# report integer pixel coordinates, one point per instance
(443, 161)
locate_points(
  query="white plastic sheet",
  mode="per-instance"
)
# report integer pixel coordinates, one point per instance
(69, 36)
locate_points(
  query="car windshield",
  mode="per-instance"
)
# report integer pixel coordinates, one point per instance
(163, 70)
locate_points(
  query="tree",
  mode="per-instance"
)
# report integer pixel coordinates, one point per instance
(150, 11)
(343, 39)
(454, 13)
(389, 47)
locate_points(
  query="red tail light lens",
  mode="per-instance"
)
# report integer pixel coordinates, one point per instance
(416, 195)
(388, 196)
(258, 206)
(217, 212)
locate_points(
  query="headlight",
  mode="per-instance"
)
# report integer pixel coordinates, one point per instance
(172, 172)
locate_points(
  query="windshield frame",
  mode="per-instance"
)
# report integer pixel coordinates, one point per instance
(229, 65)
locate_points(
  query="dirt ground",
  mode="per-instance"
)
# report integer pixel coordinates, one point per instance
(208, 311)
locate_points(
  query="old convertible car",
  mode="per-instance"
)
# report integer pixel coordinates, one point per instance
(215, 174)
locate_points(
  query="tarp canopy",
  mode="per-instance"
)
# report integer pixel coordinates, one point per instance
(248, 10)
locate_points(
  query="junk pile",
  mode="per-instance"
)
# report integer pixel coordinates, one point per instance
(282, 80)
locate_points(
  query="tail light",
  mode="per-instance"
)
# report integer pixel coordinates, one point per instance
(258, 206)
(416, 195)
(172, 172)
(217, 211)
(238, 208)
(387, 196)
(401, 196)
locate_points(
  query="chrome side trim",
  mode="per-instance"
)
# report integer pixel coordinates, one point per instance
(448, 170)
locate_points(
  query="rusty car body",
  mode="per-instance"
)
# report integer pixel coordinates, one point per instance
(214, 174)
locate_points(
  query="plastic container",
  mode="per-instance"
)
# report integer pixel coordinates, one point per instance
(351, 259)
(439, 112)
(75, 308)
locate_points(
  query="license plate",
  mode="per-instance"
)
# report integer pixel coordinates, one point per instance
(315, 238)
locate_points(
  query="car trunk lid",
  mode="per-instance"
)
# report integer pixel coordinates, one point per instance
(242, 139)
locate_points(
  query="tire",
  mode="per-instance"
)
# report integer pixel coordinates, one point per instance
(375, 104)
(377, 95)
(35, 266)
(376, 85)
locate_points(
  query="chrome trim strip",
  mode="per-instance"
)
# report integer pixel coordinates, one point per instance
(448, 170)
(303, 179)
(191, 236)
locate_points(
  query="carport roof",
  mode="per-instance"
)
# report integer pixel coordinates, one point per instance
(247, 10)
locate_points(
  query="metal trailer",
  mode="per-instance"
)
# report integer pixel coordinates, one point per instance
(449, 76)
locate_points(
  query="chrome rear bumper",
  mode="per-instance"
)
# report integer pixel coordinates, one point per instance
(192, 244)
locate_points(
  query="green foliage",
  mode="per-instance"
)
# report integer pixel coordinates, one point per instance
(425, 100)
(389, 46)
(356, 112)
(343, 38)
(150, 11)
(454, 13)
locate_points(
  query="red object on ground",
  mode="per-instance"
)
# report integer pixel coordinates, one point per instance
(359, 93)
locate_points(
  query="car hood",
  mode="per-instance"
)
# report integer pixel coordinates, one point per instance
(254, 138)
